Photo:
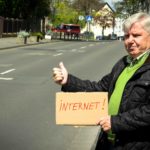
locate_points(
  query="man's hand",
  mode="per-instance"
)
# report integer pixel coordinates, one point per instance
(105, 123)
(60, 74)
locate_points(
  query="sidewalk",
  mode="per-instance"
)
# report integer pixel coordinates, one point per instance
(12, 42)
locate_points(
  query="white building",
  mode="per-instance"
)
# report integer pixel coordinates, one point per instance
(97, 29)
(118, 27)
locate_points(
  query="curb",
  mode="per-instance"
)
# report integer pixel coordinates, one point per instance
(28, 44)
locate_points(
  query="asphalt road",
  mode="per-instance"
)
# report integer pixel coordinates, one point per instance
(27, 93)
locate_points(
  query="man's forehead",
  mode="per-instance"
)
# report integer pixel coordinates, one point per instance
(136, 28)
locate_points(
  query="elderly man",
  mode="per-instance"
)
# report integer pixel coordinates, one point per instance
(127, 127)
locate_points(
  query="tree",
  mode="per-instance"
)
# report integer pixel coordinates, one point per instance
(105, 18)
(24, 8)
(86, 6)
(145, 5)
(129, 7)
(30, 11)
(65, 14)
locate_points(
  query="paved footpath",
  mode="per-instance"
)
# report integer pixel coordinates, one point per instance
(12, 42)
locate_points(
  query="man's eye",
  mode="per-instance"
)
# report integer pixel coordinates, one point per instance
(136, 35)
(126, 36)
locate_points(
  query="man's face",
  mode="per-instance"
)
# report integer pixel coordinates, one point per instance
(137, 40)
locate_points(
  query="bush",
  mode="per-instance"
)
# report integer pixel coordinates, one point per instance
(38, 34)
(23, 34)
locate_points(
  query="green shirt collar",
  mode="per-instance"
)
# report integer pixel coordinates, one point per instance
(132, 61)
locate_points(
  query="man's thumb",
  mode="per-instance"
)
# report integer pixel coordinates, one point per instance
(61, 65)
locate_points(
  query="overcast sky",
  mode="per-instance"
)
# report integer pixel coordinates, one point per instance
(111, 2)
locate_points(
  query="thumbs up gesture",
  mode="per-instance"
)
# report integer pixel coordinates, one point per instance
(60, 74)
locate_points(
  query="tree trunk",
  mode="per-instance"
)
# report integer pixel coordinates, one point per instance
(103, 28)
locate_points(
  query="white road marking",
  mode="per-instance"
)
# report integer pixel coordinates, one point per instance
(82, 47)
(58, 54)
(5, 72)
(6, 78)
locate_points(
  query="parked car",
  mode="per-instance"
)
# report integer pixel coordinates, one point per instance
(68, 28)
(99, 37)
(71, 31)
(120, 38)
(113, 37)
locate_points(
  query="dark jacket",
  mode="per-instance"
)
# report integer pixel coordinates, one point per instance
(132, 124)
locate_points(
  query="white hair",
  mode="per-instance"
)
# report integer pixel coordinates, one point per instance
(141, 17)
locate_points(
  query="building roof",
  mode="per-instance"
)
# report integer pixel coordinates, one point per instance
(103, 4)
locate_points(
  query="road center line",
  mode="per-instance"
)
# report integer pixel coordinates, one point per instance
(5, 72)
(83, 47)
(6, 78)
(58, 54)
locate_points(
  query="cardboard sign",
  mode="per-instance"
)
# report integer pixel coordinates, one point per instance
(81, 108)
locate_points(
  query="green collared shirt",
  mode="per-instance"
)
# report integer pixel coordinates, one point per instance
(124, 77)
(133, 61)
